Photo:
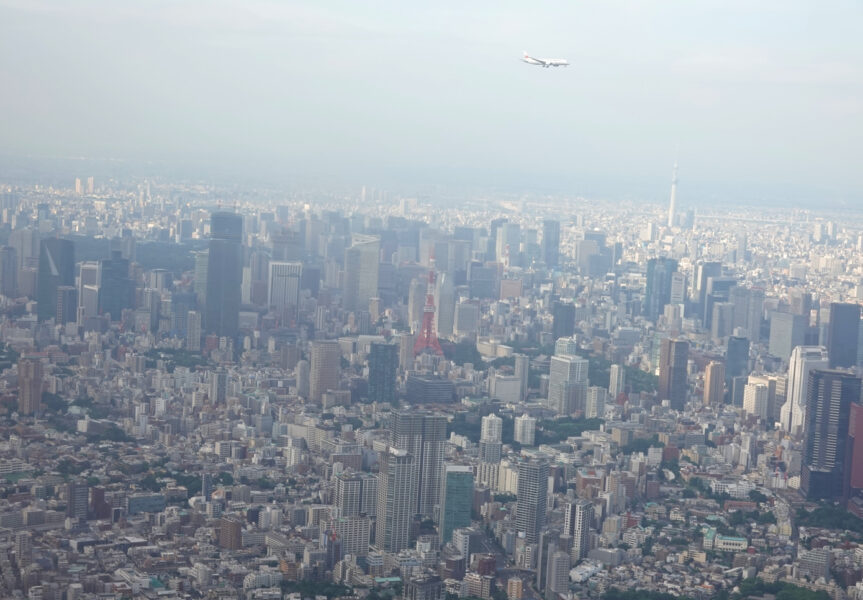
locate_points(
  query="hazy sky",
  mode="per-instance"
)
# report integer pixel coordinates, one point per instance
(764, 95)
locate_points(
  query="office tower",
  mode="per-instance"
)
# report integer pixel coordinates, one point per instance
(482, 280)
(718, 291)
(658, 291)
(383, 366)
(8, 271)
(566, 346)
(714, 383)
(224, 275)
(56, 268)
(595, 405)
(577, 518)
(466, 318)
(550, 242)
(67, 305)
(181, 304)
(703, 272)
(77, 500)
(736, 365)
(787, 331)
(444, 305)
(116, 288)
(567, 384)
(677, 294)
(206, 486)
(490, 439)
(361, 272)
(722, 321)
(756, 400)
(231, 533)
(563, 320)
(616, 381)
(397, 494)
(748, 310)
(532, 501)
(508, 244)
(218, 386)
(325, 368)
(201, 259)
(423, 435)
(284, 287)
(29, 386)
(456, 500)
(522, 371)
(557, 581)
(804, 360)
(416, 302)
(673, 200)
(829, 396)
(193, 331)
(525, 430)
(673, 385)
(843, 334)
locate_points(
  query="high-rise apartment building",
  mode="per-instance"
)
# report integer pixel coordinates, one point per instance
(423, 435)
(567, 384)
(396, 500)
(577, 519)
(525, 430)
(532, 501)
(29, 386)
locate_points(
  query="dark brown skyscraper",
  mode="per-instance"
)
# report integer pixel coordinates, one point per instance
(673, 385)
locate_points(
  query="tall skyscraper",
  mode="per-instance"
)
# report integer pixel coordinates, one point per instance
(224, 275)
(736, 365)
(56, 268)
(703, 272)
(563, 319)
(29, 386)
(843, 334)
(193, 331)
(8, 271)
(284, 287)
(673, 384)
(658, 291)
(672, 203)
(616, 381)
(787, 331)
(714, 383)
(67, 304)
(116, 288)
(396, 500)
(456, 500)
(325, 368)
(531, 503)
(550, 242)
(577, 518)
(567, 384)
(525, 430)
(522, 371)
(356, 494)
(423, 435)
(383, 366)
(361, 272)
(804, 360)
(828, 410)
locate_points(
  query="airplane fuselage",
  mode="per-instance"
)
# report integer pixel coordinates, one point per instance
(545, 62)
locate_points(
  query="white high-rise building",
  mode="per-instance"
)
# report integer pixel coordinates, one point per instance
(284, 287)
(567, 384)
(492, 427)
(396, 500)
(755, 400)
(804, 359)
(595, 406)
(616, 381)
(525, 430)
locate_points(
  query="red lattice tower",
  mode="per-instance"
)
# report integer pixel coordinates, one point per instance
(427, 339)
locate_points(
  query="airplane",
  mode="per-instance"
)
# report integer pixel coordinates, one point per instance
(545, 62)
